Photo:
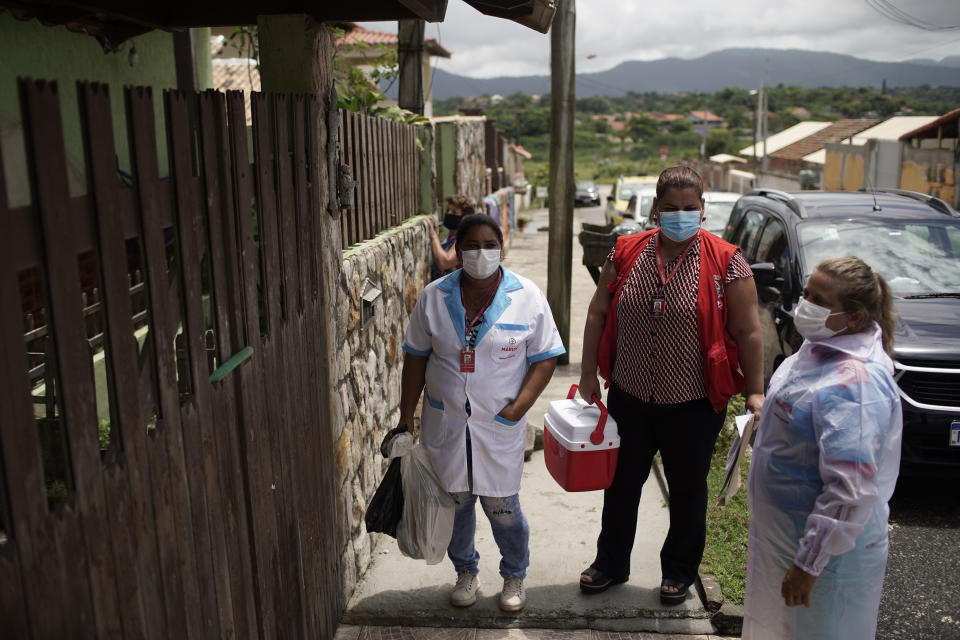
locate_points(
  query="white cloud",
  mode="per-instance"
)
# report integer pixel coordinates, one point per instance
(614, 31)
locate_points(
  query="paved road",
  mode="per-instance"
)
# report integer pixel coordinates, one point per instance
(920, 595)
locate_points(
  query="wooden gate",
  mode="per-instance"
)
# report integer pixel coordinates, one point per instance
(383, 156)
(167, 460)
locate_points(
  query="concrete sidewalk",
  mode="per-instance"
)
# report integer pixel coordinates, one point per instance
(398, 591)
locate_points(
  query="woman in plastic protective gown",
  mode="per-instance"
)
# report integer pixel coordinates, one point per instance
(824, 465)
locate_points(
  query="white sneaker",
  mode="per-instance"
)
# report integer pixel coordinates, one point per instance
(513, 596)
(465, 591)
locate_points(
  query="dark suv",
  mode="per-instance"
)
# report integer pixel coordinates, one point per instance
(913, 240)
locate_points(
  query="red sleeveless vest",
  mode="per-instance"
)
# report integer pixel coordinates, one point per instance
(721, 371)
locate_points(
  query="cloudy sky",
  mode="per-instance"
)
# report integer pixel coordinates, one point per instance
(612, 31)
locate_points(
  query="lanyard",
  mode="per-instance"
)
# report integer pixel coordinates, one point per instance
(665, 277)
(486, 305)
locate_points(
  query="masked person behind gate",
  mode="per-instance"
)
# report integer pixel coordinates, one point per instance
(444, 254)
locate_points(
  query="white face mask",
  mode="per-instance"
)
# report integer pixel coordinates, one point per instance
(810, 320)
(480, 263)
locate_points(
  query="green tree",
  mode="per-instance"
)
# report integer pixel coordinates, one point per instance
(448, 106)
(516, 100)
(643, 127)
(359, 90)
(593, 104)
(622, 135)
(720, 141)
(738, 117)
(680, 126)
(533, 122)
(600, 125)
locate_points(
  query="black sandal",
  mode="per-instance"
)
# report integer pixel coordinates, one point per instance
(599, 581)
(671, 597)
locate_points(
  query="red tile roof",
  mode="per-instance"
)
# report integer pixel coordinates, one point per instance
(834, 133)
(707, 116)
(355, 34)
(663, 117)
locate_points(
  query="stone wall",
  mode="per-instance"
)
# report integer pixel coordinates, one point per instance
(460, 148)
(368, 363)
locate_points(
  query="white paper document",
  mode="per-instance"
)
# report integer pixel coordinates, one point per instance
(742, 421)
(746, 425)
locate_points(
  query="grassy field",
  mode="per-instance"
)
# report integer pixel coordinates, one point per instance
(726, 551)
(601, 158)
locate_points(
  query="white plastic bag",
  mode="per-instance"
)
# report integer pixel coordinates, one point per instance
(426, 527)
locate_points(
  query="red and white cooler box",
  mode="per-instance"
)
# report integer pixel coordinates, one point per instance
(580, 443)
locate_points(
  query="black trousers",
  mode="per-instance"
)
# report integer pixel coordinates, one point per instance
(685, 435)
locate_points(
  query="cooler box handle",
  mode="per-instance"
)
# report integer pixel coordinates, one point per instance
(597, 436)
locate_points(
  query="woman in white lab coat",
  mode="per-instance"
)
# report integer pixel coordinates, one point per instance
(824, 466)
(481, 346)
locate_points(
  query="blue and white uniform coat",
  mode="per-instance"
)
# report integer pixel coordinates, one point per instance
(517, 331)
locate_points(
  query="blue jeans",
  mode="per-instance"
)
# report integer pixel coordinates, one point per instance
(510, 530)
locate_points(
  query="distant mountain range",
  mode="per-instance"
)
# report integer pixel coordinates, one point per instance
(738, 68)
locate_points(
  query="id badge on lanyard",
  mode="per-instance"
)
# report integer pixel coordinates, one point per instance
(658, 304)
(468, 355)
(467, 360)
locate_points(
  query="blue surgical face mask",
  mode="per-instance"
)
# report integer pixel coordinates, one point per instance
(680, 225)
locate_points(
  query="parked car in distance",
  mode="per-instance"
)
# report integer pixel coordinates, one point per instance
(717, 206)
(586, 194)
(913, 240)
(619, 198)
(639, 206)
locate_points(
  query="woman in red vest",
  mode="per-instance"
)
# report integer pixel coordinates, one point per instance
(673, 329)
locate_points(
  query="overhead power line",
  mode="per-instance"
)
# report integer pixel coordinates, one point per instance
(890, 11)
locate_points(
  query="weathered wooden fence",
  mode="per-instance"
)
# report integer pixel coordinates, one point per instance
(203, 507)
(383, 156)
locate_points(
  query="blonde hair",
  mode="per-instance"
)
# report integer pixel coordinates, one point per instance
(679, 176)
(863, 289)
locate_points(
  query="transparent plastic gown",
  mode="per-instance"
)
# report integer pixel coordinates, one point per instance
(824, 466)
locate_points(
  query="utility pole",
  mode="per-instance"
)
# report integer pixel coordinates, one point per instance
(410, 62)
(763, 115)
(758, 136)
(763, 120)
(705, 131)
(562, 99)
